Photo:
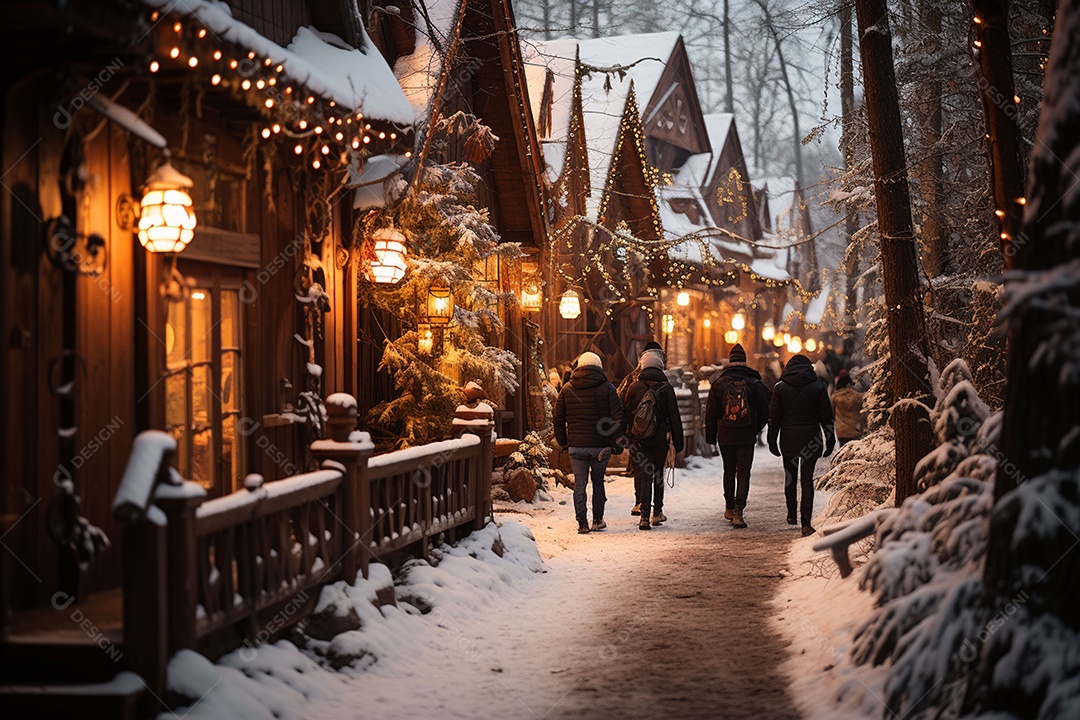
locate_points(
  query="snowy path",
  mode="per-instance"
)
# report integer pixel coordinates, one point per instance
(672, 623)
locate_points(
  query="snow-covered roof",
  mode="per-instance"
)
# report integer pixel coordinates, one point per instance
(357, 80)
(604, 96)
(718, 126)
(418, 72)
(369, 180)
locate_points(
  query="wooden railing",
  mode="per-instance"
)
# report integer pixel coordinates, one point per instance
(215, 575)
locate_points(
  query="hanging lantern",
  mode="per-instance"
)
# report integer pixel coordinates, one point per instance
(778, 341)
(768, 331)
(425, 339)
(440, 305)
(683, 298)
(570, 304)
(532, 297)
(707, 323)
(388, 265)
(738, 320)
(166, 216)
(811, 344)
(795, 346)
(667, 324)
(787, 338)
(731, 337)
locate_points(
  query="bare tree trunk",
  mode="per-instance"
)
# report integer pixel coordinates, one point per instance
(796, 136)
(546, 9)
(847, 141)
(573, 16)
(729, 95)
(999, 110)
(596, 18)
(935, 244)
(899, 262)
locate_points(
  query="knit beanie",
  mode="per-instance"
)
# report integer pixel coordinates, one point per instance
(737, 354)
(590, 359)
(653, 345)
(652, 358)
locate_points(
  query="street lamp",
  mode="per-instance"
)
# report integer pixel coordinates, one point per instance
(768, 331)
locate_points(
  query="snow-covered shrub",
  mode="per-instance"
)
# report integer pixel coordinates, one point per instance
(532, 455)
(860, 477)
(957, 416)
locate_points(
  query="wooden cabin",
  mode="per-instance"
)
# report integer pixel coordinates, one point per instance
(235, 340)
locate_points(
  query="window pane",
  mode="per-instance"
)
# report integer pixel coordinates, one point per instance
(202, 324)
(202, 431)
(176, 335)
(176, 406)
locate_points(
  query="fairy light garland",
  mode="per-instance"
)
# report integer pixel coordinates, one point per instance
(306, 123)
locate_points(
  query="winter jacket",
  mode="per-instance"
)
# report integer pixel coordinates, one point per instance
(667, 405)
(848, 409)
(800, 412)
(718, 434)
(588, 412)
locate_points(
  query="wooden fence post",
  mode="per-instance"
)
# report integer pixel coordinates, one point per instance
(146, 605)
(179, 503)
(485, 466)
(355, 492)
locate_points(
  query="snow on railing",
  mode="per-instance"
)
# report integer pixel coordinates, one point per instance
(840, 537)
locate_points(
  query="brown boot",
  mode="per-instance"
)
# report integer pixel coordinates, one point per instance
(737, 519)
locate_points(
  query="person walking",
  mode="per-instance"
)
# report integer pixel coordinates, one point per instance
(848, 409)
(736, 411)
(650, 347)
(652, 414)
(801, 416)
(588, 422)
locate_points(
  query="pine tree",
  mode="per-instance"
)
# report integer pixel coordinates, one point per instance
(448, 238)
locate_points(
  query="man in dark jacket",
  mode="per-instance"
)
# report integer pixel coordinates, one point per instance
(800, 414)
(588, 422)
(737, 410)
(650, 452)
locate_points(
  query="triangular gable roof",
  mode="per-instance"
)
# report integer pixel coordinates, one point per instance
(423, 78)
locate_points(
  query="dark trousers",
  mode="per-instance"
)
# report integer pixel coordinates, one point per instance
(649, 478)
(589, 462)
(737, 462)
(799, 470)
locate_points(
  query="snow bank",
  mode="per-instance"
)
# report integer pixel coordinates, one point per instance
(441, 602)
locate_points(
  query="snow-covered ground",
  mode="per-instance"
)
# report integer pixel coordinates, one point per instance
(675, 617)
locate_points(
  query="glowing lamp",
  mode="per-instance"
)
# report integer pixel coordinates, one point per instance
(778, 341)
(707, 323)
(731, 337)
(440, 305)
(425, 339)
(768, 331)
(787, 338)
(683, 298)
(388, 265)
(570, 304)
(667, 324)
(738, 320)
(795, 346)
(166, 216)
(532, 297)
(811, 344)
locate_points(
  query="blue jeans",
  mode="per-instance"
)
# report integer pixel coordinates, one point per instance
(586, 460)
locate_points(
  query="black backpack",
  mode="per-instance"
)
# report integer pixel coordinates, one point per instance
(647, 420)
(736, 408)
